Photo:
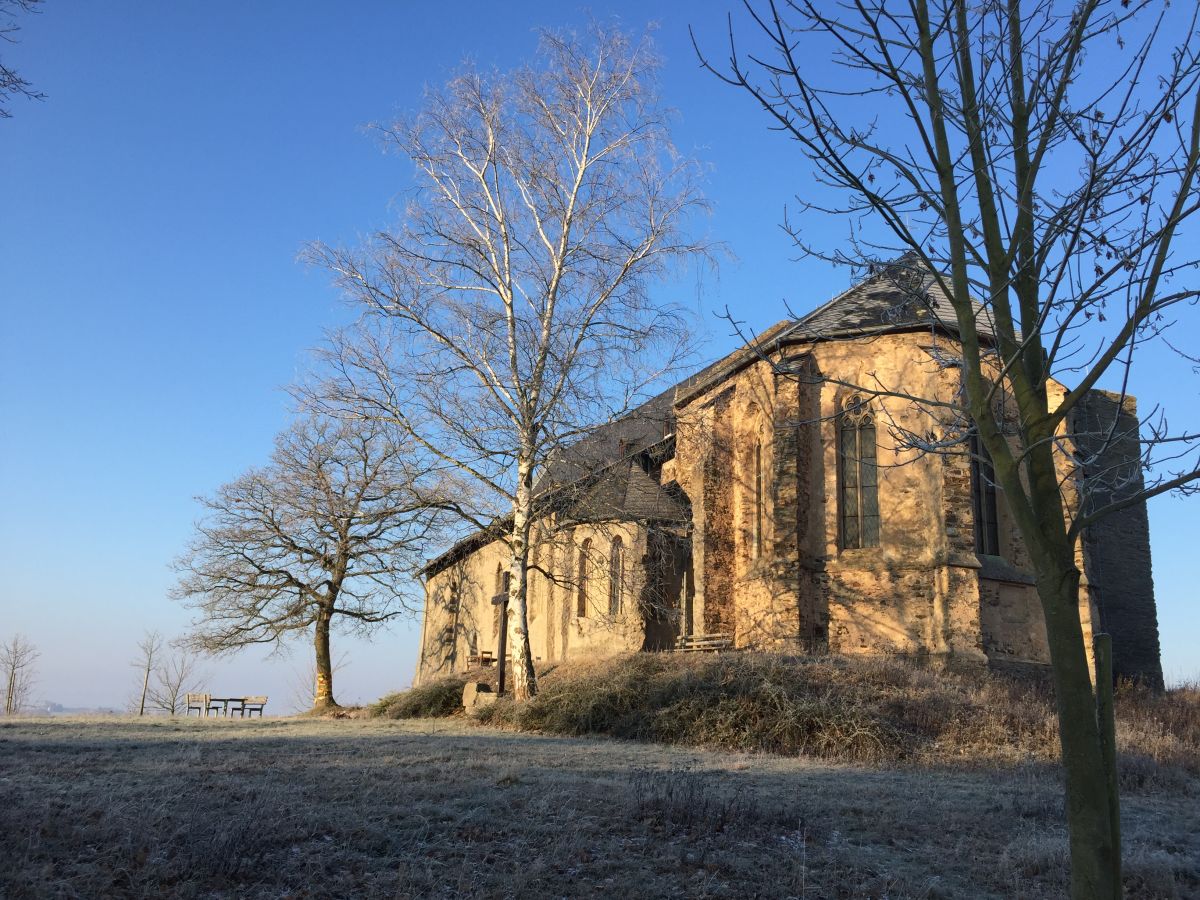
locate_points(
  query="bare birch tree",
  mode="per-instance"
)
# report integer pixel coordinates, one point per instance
(512, 309)
(17, 660)
(149, 652)
(1041, 157)
(329, 532)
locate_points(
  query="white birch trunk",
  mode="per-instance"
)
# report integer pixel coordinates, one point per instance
(524, 678)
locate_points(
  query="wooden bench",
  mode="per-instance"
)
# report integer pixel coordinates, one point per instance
(697, 643)
(207, 705)
(483, 658)
(198, 702)
(250, 706)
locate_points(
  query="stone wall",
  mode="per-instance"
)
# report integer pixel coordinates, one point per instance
(1116, 549)
(461, 620)
(1014, 630)
(906, 595)
(717, 535)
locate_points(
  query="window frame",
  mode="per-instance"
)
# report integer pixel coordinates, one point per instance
(985, 502)
(582, 576)
(859, 520)
(757, 532)
(616, 576)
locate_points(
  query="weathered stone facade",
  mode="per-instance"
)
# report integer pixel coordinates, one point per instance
(752, 450)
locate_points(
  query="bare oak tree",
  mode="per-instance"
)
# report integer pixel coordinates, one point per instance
(512, 310)
(17, 659)
(1040, 157)
(329, 532)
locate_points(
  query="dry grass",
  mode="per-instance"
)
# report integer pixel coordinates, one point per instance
(867, 711)
(447, 808)
(438, 698)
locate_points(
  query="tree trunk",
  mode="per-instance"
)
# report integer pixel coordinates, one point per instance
(323, 693)
(524, 676)
(1088, 804)
(145, 688)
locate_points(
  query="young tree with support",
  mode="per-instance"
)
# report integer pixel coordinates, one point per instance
(150, 649)
(1038, 161)
(511, 310)
(329, 533)
(174, 678)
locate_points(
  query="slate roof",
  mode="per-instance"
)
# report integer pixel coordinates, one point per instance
(622, 487)
(896, 297)
(628, 490)
(642, 427)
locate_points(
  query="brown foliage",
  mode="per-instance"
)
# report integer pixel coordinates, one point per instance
(876, 710)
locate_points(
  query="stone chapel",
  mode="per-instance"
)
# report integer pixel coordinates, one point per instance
(766, 503)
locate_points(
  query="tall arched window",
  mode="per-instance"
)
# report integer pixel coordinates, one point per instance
(758, 499)
(616, 576)
(857, 475)
(582, 579)
(983, 500)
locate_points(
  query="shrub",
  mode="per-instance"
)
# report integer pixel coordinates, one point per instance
(434, 700)
(860, 710)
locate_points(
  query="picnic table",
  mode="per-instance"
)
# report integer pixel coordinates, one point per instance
(207, 704)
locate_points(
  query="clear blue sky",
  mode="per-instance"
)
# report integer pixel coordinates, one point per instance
(151, 211)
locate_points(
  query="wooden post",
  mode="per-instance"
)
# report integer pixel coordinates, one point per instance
(501, 600)
(1106, 718)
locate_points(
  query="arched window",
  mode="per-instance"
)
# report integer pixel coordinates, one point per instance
(983, 500)
(758, 499)
(581, 578)
(616, 576)
(857, 475)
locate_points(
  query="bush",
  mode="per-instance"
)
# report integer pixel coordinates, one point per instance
(859, 710)
(437, 699)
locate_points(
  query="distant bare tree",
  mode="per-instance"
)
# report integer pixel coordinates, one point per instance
(17, 659)
(330, 531)
(174, 678)
(149, 649)
(511, 310)
(12, 84)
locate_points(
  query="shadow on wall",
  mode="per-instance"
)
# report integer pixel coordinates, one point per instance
(665, 603)
(454, 603)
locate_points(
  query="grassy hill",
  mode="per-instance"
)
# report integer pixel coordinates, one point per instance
(868, 710)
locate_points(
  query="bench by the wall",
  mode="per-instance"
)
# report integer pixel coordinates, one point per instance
(695, 643)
